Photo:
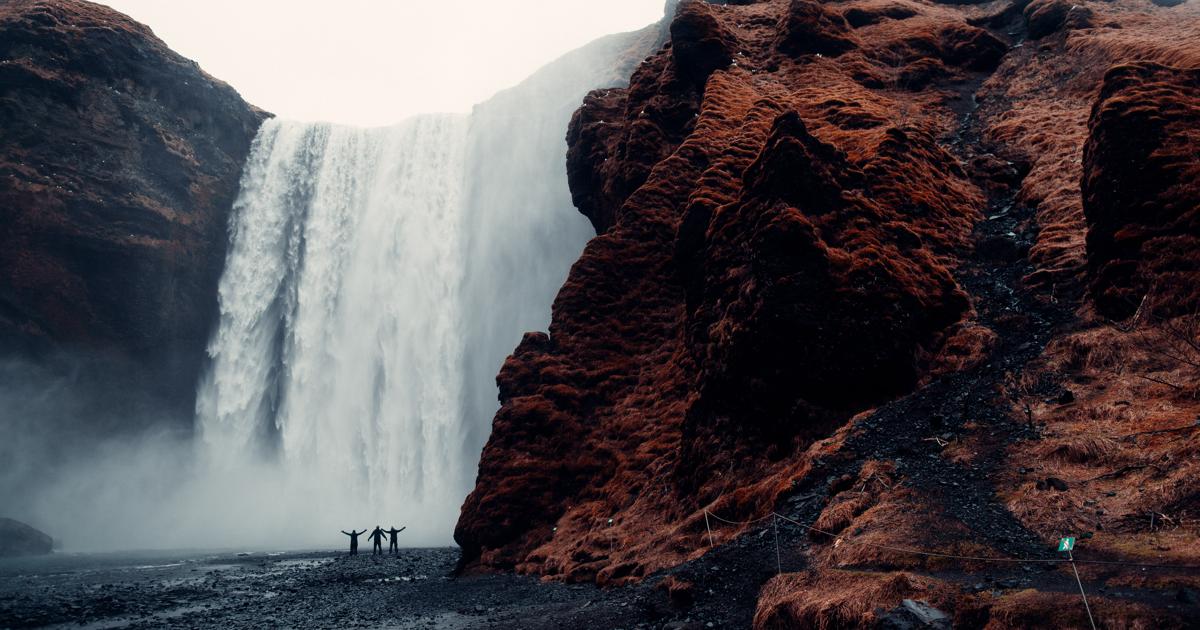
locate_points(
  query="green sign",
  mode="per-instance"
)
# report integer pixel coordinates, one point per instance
(1066, 544)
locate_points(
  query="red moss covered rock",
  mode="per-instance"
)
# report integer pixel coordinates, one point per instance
(808, 27)
(773, 256)
(776, 262)
(970, 47)
(699, 44)
(873, 14)
(1141, 189)
(805, 295)
(1045, 17)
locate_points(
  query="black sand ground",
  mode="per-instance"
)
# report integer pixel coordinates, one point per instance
(316, 589)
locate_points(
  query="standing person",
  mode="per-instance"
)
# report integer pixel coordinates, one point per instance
(377, 538)
(353, 540)
(392, 548)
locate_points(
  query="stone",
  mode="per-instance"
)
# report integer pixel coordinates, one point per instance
(19, 539)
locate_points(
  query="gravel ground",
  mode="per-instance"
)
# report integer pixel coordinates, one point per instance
(313, 589)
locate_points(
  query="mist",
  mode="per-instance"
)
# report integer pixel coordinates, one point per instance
(100, 474)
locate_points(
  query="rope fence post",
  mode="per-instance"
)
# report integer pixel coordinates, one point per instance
(1071, 558)
(708, 529)
(775, 526)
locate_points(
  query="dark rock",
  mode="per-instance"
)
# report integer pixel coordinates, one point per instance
(680, 592)
(19, 539)
(1056, 484)
(699, 44)
(862, 16)
(1045, 17)
(1141, 190)
(119, 162)
(911, 614)
(917, 75)
(809, 27)
(1000, 248)
(970, 47)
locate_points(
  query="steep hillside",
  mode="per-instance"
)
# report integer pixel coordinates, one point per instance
(119, 161)
(856, 265)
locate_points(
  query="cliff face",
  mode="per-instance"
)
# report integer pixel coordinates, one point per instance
(119, 161)
(753, 285)
(842, 252)
(1141, 188)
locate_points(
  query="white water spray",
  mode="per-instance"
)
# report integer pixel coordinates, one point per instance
(375, 281)
(341, 331)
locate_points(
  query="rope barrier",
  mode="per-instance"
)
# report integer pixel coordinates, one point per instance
(1082, 594)
(757, 520)
(951, 556)
(1144, 565)
(917, 551)
(778, 562)
(775, 516)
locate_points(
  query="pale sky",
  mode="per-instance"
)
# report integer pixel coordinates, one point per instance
(375, 62)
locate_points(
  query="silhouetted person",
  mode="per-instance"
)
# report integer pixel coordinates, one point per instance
(353, 540)
(392, 548)
(377, 538)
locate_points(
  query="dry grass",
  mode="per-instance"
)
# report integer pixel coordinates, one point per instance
(1037, 609)
(1090, 449)
(1044, 93)
(897, 519)
(828, 599)
(1128, 447)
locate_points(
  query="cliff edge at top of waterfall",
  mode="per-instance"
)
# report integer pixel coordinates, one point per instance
(846, 274)
(119, 161)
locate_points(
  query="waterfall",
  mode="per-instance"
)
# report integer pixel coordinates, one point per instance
(375, 281)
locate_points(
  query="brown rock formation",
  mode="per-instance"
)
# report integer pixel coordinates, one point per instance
(755, 282)
(119, 161)
(839, 275)
(1044, 17)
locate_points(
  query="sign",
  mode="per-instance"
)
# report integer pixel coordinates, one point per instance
(1066, 544)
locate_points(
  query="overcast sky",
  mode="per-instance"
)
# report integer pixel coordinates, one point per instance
(374, 62)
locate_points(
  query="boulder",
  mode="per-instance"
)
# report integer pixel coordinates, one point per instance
(809, 28)
(1045, 17)
(19, 539)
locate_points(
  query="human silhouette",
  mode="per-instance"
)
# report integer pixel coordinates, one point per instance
(353, 540)
(392, 548)
(376, 537)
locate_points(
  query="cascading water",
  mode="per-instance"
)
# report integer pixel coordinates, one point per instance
(341, 332)
(376, 279)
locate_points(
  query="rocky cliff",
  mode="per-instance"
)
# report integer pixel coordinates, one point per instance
(19, 539)
(119, 161)
(856, 265)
